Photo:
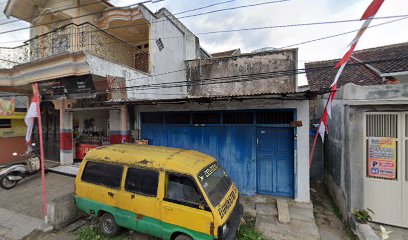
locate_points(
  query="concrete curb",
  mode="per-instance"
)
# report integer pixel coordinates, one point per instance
(63, 211)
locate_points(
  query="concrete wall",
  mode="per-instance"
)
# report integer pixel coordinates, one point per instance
(344, 145)
(302, 140)
(215, 69)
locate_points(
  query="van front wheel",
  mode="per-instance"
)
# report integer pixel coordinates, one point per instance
(183, 237)
(108, 225)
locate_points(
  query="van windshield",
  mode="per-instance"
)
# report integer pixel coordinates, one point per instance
(215, 181)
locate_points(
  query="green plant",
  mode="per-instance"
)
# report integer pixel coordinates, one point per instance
(247, 230)
(91, 232)
(363, 215)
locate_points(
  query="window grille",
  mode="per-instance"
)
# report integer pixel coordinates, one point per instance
(382, 125)
(155, 117)
(178, 118)
(274, 117)
(207, 118)
(239, 118)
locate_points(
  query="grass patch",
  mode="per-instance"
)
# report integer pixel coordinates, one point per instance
(247, 231)
(91, 232)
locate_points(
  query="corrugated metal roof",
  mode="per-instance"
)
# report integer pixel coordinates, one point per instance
(282, 95)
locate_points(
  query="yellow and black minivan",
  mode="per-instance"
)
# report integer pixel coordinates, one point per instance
(165, 192)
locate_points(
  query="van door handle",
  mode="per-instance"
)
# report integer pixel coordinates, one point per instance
(167, 208)
(132, 196)
(111, 194)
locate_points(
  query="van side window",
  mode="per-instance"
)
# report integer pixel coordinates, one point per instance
(182, 189)
(142, 181)
(108, 175)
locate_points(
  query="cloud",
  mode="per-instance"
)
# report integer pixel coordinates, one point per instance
(291, 12)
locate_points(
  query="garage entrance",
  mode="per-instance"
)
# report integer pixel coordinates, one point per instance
(256, 146)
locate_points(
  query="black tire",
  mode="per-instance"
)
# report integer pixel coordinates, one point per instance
(7, 184)
(183, 237)
(108, 226)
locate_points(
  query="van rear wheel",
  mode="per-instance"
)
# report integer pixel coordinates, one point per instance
(108, 225)
(183, 237)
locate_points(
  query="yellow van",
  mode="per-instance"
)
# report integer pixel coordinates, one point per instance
(168, 193)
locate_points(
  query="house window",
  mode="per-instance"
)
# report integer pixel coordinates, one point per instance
(5, 123)
(159, 44)
(183, 190)
(104, 174)
(142, 181)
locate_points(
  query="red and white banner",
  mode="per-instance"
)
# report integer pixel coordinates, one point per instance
(368, 16)
(32, 113)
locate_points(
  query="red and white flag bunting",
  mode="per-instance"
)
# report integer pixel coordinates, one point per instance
(368, 17)
(32, 113)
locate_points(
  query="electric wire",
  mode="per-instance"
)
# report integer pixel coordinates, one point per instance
(247, 29)
(243, 77)
(133, 5)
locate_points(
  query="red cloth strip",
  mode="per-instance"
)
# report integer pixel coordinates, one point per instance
(346, 56)
(372, 9)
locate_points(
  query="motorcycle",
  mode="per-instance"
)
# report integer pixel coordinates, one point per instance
(27, 165)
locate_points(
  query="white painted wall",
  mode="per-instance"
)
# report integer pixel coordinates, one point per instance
(302, 193)
(100, 116)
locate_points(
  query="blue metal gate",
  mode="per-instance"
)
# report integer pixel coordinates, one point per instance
(275, 161)
(233, 145)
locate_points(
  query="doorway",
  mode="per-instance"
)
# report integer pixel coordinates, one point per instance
(386, 167)
(275, 170)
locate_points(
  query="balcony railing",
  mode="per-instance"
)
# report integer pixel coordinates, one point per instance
(75, 38)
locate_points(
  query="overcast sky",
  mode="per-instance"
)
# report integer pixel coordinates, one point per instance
(289, 12)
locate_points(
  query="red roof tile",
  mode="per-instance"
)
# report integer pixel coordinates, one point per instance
(385, 59)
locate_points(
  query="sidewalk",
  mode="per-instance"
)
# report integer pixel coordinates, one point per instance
(282, 219)
(21, 208)
(14, 226)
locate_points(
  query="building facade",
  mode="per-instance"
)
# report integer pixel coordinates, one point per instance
(365, 153)
(126, 74)
(12, 127)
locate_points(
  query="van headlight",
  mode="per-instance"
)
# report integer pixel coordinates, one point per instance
(223, 230)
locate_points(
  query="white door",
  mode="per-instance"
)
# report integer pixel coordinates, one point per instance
(385, 181)
(405, 175)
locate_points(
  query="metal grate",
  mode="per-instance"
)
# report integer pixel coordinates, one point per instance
(382, 125)
(274, 117)
(207, 118)
(238, 118)
(153, 117)
(178, 118)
